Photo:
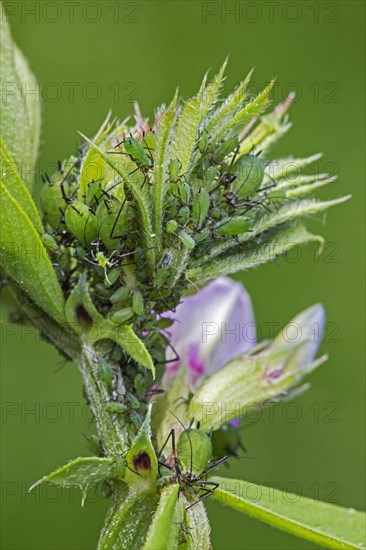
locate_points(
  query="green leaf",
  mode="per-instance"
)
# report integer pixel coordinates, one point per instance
(197, 533)
(276, 245)
(16, 187)
(128, 521)
(325, 524)
(86, 321)
(166, 525)
(19, 105)
(186, 133)
(284, 214)
(282, 168)
(247, 113)
(81, 472)
(161, 166)
(226, 111)
(25, 259)
(133, 180)
(208, 93)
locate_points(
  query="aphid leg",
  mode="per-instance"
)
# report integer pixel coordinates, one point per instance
(111, 236)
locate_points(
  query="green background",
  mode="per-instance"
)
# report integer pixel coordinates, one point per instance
(143, 50)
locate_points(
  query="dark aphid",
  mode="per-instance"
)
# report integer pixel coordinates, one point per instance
(166, 259)
(227, 441)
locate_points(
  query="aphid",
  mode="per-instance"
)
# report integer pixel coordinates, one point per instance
(190, 462)
(49, 242)
(200, 207)
(137, 302)
(174, 170)
(227, 441)
(183, 214)
(166, 259)
(120, 295)
(249, 173)
(81, 222)
(105, 374)
(115, 407)
(233, 226)
(187, 240)
(137, 153)
(111, 216)
(122, 315)
(171, 226)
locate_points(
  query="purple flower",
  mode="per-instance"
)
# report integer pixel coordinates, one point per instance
(210, 328)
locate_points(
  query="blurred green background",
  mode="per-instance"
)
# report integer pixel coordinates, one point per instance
(90, 57)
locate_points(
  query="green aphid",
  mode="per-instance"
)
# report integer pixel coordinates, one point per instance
(140, 384)
(54, 199)
(171, 226)
(102, 291)
(134, 403)
(81, 222)
(164, 322)
(226, 148)
(137, 153)
(185, 193)
(249, 174)
(49, 242)
(203, 142)
(93, 193)
(105, 374)
(175, 167)
(111, 217)
(115, 407)
(112, 276)
(183, 214)
(194, 451)
(209, 176)
(187, 239)
(122, 315)
(200, 207)
(137, 302)
(233, 226)
(162, 274)
(119, 467)
(120, 295)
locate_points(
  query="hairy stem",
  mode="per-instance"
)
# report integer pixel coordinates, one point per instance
(111, 432)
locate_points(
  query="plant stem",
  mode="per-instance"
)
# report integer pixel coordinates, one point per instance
(112, 435)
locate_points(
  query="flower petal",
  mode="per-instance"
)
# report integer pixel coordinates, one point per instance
(215, 324)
